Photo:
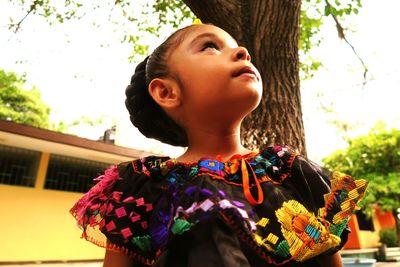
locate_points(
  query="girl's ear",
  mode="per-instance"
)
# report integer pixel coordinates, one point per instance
(165, 92)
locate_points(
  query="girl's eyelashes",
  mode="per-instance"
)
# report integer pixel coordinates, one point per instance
(209, 44)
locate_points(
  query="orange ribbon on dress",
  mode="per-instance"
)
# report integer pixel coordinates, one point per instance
(246, 185)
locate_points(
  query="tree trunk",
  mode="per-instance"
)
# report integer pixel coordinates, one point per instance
(269, 29)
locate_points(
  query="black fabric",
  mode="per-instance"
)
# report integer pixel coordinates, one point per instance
(165, 213)
(215, 243)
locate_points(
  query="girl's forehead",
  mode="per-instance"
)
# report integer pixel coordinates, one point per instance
(203, 31)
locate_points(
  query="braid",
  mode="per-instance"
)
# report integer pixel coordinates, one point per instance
(147, 115)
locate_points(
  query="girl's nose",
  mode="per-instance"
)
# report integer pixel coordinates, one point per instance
(241, 53)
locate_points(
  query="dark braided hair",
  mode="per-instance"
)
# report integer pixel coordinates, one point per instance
(145, 113)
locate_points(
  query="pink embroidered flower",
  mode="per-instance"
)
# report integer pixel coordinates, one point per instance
(126, 233)
(135, 218)
(121, 212)
(110, 226)
(149, 207)
(140, 202)
(128, 200)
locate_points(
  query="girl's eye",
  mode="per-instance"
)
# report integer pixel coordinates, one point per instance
(209, 44)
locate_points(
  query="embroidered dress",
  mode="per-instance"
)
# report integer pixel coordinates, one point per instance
(267, 208)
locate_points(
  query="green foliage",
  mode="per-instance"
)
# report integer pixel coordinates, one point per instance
(19, 105)
(311, 20)
(388, 237)
(341, 8)
(172, 13)
(137, 16)
(52, 11)
(375, 157)
(383, 190)
(310, 24)
(377, 152)
(27, 107)
(141, 16)
(88, 121)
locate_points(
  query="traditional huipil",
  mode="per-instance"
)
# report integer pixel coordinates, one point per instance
(267, 208)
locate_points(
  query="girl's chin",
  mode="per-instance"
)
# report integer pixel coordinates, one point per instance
(254, 92)
(255, 97)
(249, 104)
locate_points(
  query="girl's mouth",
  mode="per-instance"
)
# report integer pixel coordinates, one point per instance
(247, 70)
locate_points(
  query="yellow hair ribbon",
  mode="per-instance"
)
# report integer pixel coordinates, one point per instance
(197, 21)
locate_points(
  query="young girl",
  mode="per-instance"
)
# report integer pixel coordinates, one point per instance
(218, 204)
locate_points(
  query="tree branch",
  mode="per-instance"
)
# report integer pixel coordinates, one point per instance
(342, 35)
(218, 12)
(17, 26)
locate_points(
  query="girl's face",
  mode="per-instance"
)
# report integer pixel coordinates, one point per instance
(216, 75)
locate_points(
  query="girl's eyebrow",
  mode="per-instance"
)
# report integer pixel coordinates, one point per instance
(209, 35)
(200, 36)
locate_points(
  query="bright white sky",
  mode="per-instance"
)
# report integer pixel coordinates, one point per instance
(82, 70)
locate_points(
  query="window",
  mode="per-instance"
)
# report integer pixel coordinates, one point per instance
(72, 174)
(18, 166)
(364, 222)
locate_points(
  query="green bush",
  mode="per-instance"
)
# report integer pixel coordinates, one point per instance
(378, 152)
(388, 237)
(376, 158)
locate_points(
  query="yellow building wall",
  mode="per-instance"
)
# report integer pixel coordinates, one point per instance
(370, 239)
(35, 225)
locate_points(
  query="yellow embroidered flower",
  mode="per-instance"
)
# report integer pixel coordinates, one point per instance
(304, 233)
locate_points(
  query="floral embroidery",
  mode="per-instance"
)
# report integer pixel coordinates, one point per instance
(305, 235)
(212, 166)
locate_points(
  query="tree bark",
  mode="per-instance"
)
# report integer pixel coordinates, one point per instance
(269, 29)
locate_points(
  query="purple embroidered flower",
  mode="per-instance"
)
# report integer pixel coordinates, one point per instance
(159, 235)
(238, 204)
(190, 190)
(163, 217)
(206, 192)
(222, 193)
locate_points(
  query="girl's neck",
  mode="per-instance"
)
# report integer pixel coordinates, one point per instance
(206, 143)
